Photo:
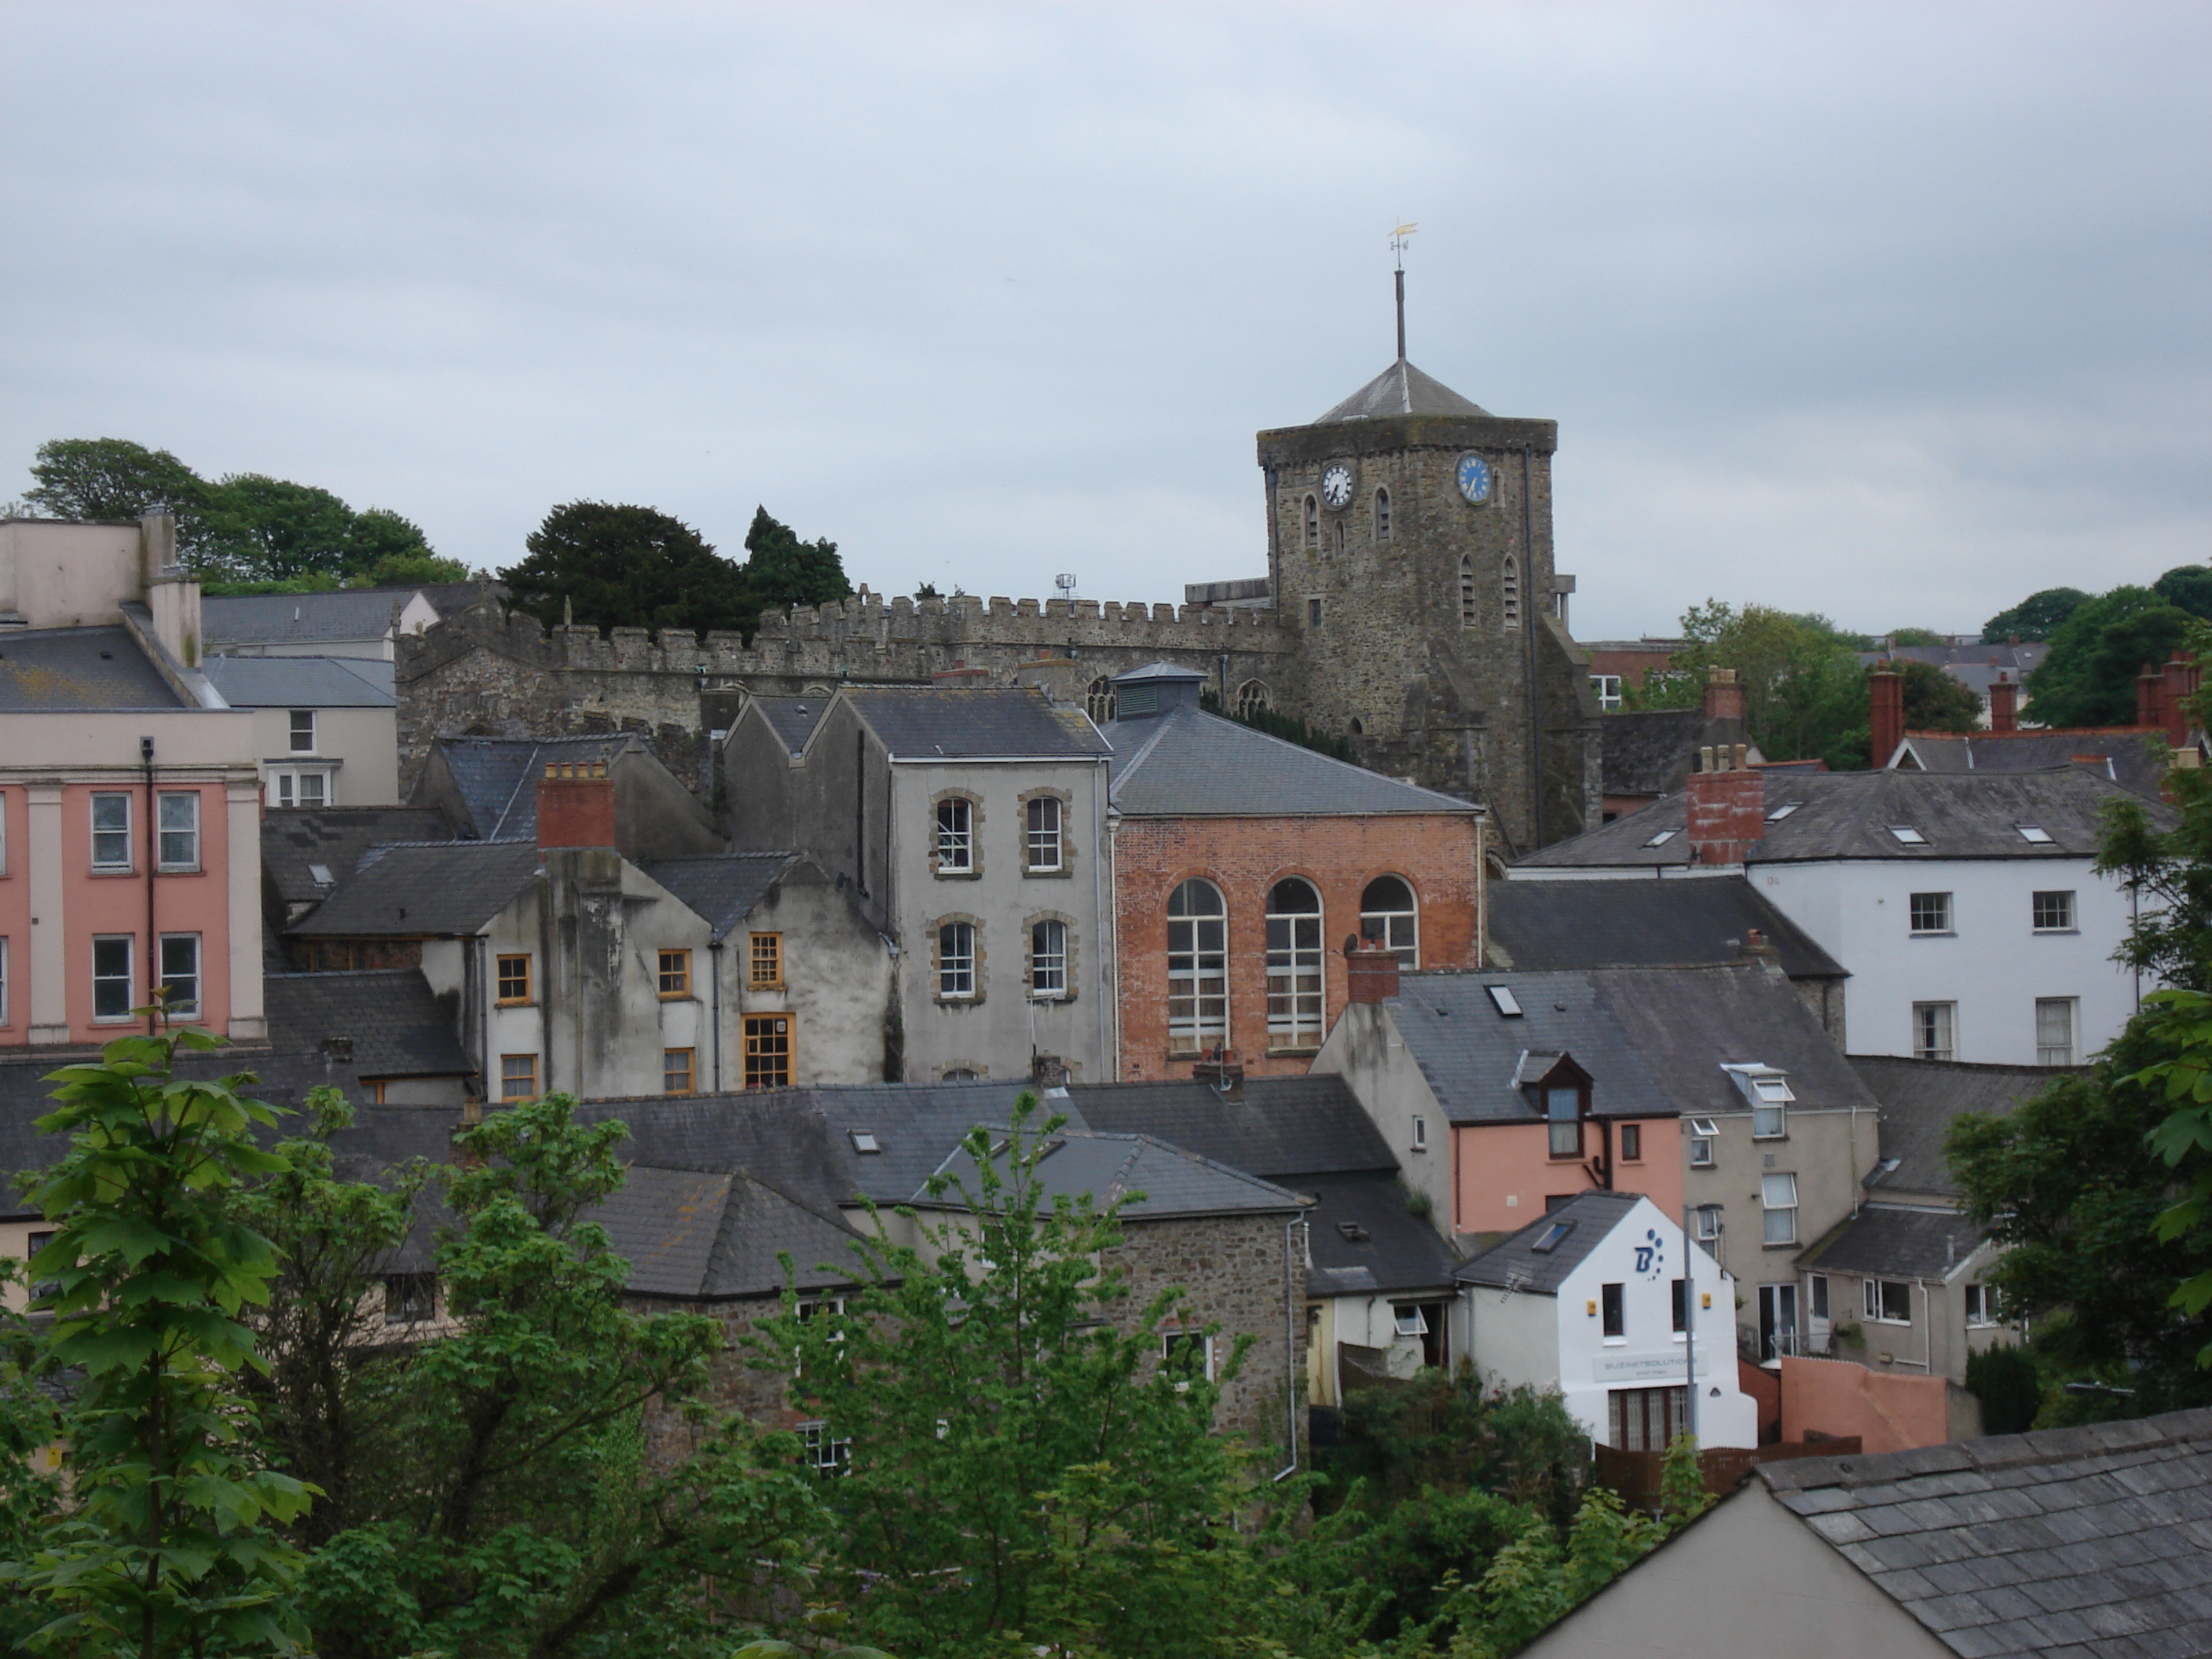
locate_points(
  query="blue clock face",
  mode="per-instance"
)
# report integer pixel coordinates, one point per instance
(1475, 478)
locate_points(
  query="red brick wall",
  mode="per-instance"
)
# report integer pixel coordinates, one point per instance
(1245, 857)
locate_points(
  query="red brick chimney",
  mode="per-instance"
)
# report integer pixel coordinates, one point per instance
(1371, 972)
(2148, 686)
(1723, 695)
(1727, 813)
(2004, 704)
(1886, 699)
(575, 805)
(2178, 683)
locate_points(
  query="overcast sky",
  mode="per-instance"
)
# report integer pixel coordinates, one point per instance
(1893, 312)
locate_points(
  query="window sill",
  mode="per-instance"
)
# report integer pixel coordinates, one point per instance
(515, 1002)
(109, 872)
(776, 986)
(1933, 933)
(957, 875)
(956, 1002)
(2054, 932)
(1060, 874)
(1616, 1342)
(179, 870)
(1787, 1244)
(1304, 1051)
(678, 996)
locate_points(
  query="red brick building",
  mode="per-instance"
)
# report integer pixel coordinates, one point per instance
(1242, 863)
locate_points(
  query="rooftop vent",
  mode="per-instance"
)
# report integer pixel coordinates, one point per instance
(1352, 1230)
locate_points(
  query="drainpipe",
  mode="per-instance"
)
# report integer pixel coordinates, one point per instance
(715, 970)
(1113, 886)
(153, 859)
(1528, 620)
(1293, 1277)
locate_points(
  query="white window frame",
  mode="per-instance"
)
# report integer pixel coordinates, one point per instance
(1407, 1319)
(182, 837)
(3, 978)
(830, 1455)
(2048, 1053)
(188, 1008)
(128, 977)
(1198, 971)
(956, 961)
(1709, 1222)
(1396, 930)
(956, 836)
(1420, 1123)
(1780, 1220)
(287, 784)
(1931, 915)
(2056, 902)
(1870, 1300)
(1705, 1134)
(1932, 1021)
(1045, 840)
(1298, 979)
(1607, 688)
(1982, 1306)
(1048, 960)
(119, 802)
(1171, 1340)
(295, 731)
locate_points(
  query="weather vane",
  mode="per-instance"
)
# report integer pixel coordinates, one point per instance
(1398, 246)
(1398, 241)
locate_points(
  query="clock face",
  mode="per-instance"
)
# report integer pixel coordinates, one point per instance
(1475, 478)
(1336, 486)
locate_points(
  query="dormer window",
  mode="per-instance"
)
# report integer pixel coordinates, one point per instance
(1559, 1090)
(1769, 1092)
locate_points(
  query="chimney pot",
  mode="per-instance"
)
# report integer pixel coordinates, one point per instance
(1727, 812)
(575, 805)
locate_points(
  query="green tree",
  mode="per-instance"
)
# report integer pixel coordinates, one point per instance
(169, 1547)
(30, 1426)
(2008, 1381)
(1012, 1462)
(783, 571)
(2038, 617)
(628, 567)
(415, 570)
(2190, 588)
(2166, 865)
(2089, 678)
(1803, 691)
(267, 529)
(380, 537)
(115, 478)
(1914, 636)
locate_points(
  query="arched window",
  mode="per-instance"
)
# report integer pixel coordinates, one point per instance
(1356, 728)
(1313, 522)
(1466, 590)
(1251, 698)
(1198, 969)
(1339, 535)
(1100, 700)
(1388, 915)
(1294, 981)
(1382, 515)
(1509, 583)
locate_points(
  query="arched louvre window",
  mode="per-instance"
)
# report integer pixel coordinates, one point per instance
(1100, 700)
(1313, 522)
(1509, 583)
(1389, 916)
(1466, 590)
(1198, 968)
(1382, 515)
(1252, 697)
(1294, 967)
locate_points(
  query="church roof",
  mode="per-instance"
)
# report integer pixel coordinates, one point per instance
(1401, 389)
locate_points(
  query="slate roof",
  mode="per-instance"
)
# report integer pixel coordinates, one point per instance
(1919, 1098)
(297, 618)
(411, 890)
(1156, 1181)
(1595, 924)
(1896, 1242)
(2088, 1542)
(303, 681)
(663, 1224)
(497, 777)
(1399, 1253)
(1847, 815)
(1653, 1040)
(915, 723)
(1401, 389)
(1513, 1264)
(1187, 763)
(335, 837)
(791, 719)
(79, 668)
(1283, 1128)
(722, 888)
(392, 1017)
(2126, 757)
(1647, 750)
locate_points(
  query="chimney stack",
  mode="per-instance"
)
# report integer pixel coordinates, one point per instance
(1723, 695)
(1371, 972)
(2180, 681)
(1886, 699)
(1223, 1071)
(2149, 685)
(2004, 704)
(1727, 813)
(575, 805)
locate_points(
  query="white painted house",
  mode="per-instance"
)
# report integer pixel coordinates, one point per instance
(1596, 1300)
(1964, 906)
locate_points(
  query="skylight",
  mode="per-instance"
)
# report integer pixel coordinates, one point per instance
(1504, 1000)
(1907, 835)
(2034, 833)
(1704, 1126)
(1784, 811)
(865, 1142)
(322, 875)
(1548, 1241)
(1662, 838)
(1772, 1088)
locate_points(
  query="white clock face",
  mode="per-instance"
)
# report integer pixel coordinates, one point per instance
(1336, 486)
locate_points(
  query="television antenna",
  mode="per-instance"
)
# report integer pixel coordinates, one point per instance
(1066, 583)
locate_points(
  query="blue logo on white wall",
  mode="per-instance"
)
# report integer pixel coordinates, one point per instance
(1651, 1256)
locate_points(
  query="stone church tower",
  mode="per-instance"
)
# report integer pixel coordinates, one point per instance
(1409, 547)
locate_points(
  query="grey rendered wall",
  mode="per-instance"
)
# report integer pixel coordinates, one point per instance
(839, 983)
(1749, 1578)
(833, 806)
(1364, 1050)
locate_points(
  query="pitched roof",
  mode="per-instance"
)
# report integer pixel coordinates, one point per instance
(722, 888)
(1362, 1239)
(295, 841)
(1188, 763)
(391, 1015)
(296, 619)
(497, 777)
(1848, 815)
(791, 719)
(1597, 924)
(411, 890)
(1401, 389)
(79, 668)
(917, 723)
(303, 681)
(1903, 1243)
(2125, 757)
(1153, 1181)
(2083, 1541)
(1919, 1099)
(1514, 1263)
(1284, 1126)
